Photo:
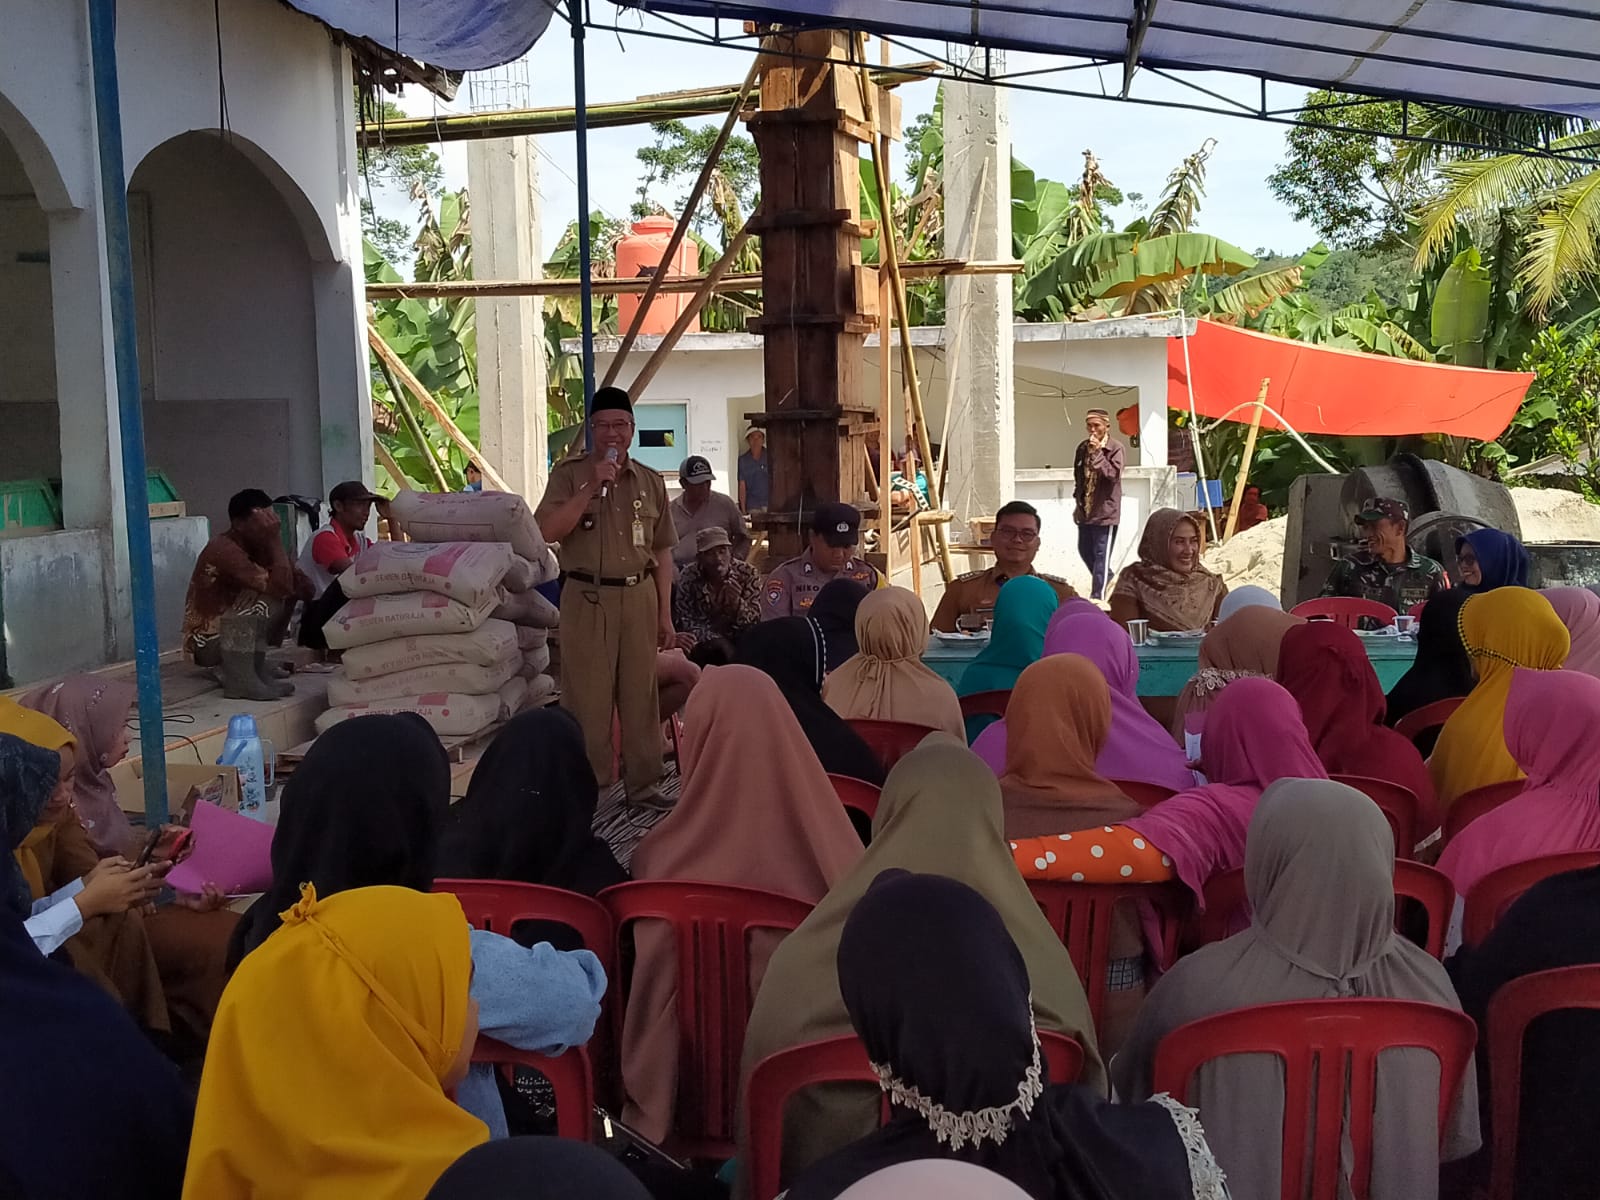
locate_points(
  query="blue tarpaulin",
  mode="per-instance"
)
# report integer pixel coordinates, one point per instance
(1531, 54)
(455, 35)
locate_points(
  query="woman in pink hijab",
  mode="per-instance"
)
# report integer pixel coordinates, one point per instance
(1579, 610)
(1551, 717)
(95, 710)
(1137, 749)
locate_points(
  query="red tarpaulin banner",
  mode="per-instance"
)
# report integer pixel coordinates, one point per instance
(1319, 390)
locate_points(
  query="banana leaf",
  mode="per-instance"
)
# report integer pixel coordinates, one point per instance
(1460, 321)
(1168, 258)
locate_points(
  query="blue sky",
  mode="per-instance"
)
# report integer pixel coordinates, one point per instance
(1137, 144)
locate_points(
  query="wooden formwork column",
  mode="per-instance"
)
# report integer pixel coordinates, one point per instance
(818, 301)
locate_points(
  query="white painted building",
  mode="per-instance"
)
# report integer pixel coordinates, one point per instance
(248, 284)
(698, 402)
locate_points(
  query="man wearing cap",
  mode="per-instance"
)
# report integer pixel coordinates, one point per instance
(793, 585)
(718, 595)
(1386, 569)
(332, 550)
(609, 513)
(1097, 496)
(755, 473)
(701, 508)
(1016, 543)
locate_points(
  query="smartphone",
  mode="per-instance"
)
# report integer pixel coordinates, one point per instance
(150, 844)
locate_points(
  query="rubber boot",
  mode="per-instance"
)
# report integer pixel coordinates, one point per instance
(264, 671)
(239, 678)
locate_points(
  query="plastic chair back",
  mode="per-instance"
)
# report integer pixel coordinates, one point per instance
(1471, 805)
(1344, 610)
(570, 1076)
(711, 926)
(1081, 915)
(986, 704)
(1329, 1052)
(1226, 902)
(1512, 1009)
(890, 741)
(1415, 611)
(1429, 716)
(843, 1059)
(857, 794)
(1489, 898)
(1399, 804)
(1145, 795)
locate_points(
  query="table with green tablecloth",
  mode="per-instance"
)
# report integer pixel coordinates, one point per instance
(1165, 666)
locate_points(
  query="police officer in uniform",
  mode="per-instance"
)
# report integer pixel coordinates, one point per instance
(610, 514)
(1016, 543)
(793, 585)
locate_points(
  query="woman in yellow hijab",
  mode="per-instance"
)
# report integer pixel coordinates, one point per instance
(1502, 630)
(332, 1053)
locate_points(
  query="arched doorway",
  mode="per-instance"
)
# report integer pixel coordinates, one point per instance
(30, 419)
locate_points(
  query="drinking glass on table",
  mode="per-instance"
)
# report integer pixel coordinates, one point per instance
(1139, 632)
(970, 623)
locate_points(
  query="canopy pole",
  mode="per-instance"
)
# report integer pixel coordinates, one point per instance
(124, 337)
(1194, 429)
(580, 105)
(1244, 462)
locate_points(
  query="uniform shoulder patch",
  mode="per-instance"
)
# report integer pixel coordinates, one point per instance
(969, 576)
(775, 587)
(1054, 579)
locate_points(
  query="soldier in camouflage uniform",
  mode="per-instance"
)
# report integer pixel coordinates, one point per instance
(1388, 570)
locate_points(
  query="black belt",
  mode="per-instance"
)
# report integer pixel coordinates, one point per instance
(626, 581)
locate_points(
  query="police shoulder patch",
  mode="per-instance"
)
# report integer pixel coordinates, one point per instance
(775, 588)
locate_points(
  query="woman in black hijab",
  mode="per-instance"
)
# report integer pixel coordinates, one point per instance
(528, 814)
(834, 614)
(364, 809)
(1442, 669)
(789, 649)
(537, 1168)
(939, 994)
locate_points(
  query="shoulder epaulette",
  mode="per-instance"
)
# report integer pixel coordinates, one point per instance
(1053, 579)
(969, 575)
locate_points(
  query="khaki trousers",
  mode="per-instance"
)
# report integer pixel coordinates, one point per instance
(608, 663)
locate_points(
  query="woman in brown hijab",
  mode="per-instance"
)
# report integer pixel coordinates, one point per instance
(756, 810)
(885, 680)
(940, 815)
(1167, 586)
(1244, 646)
(95, 712)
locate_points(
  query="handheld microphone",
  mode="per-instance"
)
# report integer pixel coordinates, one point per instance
(605, 488)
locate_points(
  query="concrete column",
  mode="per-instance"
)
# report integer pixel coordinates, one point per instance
(502, 182)
(981, 438)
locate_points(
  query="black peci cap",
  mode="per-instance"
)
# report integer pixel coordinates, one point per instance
(838, 524)
(611, 398)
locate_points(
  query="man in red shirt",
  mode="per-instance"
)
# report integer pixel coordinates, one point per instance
(333, 548)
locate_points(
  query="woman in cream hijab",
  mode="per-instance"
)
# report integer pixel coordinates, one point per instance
(940, 815)
(886, 680)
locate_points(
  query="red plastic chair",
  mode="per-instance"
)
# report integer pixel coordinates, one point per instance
(1344, 610)
(857, 794)
(711, 925)
(890, 740)
(1429, 716)
(1399, 804)
(1471, 805)
(1415, 611)
(1145, 795)
(570, 1076)
(1513, 1008)
(1226, 901)
(779, 1076)
(1497, 891)
(1081, 913)
(1322, 1044)
(986, 704)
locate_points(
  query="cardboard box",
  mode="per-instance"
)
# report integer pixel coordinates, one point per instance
(182, 776)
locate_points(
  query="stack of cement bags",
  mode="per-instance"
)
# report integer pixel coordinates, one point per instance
(447, 625)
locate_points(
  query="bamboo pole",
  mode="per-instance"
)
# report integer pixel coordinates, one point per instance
(1244, 461)
(386, 460)
(684, 219)
(413, 426)
(691, 314)
(886, 375)
(393, 362)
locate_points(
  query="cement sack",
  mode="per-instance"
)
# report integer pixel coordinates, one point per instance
(540, 692)
(529, 638)
(371, 619)
(491, 643)
(466, 571)
(519, 578)
(535, 662)
(467, 679)
(530, 608)
(545, 568)
(469, 517)
(513, 696)
(451, 715)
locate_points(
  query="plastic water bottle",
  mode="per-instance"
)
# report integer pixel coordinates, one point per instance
(255, 760)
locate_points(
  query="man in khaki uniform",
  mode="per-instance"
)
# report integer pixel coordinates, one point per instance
(794, 583)
(610, 515)
(1016, 544)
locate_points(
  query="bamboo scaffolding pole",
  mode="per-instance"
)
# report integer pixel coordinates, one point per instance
(1244, 461)
(684, 220)
(886, 373)
(381, 453)
(393, 363)
(658, 356)
(413, 426)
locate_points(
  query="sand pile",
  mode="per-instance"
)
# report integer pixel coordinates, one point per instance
(1252, 557)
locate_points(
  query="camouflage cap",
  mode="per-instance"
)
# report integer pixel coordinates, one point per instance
(1379, 509)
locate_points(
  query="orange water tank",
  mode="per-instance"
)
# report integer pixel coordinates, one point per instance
(639, 255)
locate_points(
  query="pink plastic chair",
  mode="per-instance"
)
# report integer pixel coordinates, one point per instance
(1344, 610)
(1322, 1044)
(1497, 891)
(890, 741)
(1472, 805)
(840, 1060)
(1514, 1007)
(711, 926)
(857, 794)
(1429, 716)
(1399, 805)
(570, 1076)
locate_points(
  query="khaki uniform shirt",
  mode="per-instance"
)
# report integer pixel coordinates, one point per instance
(793, 585)
(603, 544)
(976, 592)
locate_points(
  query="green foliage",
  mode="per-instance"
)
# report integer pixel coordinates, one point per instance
(676, 157)
(1348, 276)
(1460, 312)
(1561, 413)
(413, 171)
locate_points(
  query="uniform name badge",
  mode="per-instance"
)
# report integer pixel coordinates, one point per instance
(638, 526)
